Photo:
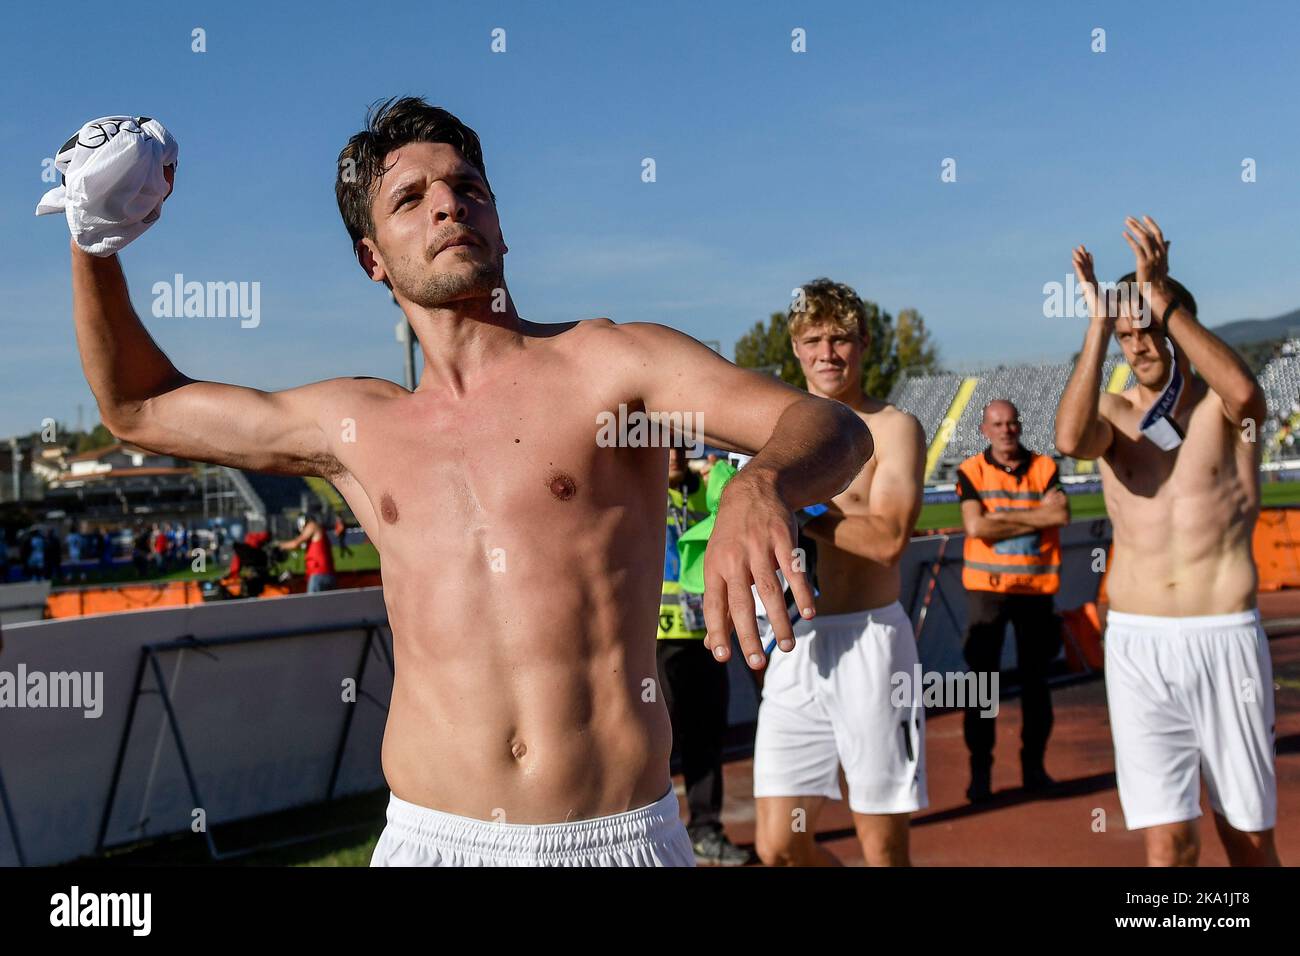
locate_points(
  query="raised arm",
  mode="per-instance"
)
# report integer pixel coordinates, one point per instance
(808, 450)
(145, 400)
(1215, 361)
(1082, 431)
(305, 535)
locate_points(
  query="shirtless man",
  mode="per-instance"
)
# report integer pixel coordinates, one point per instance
(1188, 677)
(828, 703)
(522, 555)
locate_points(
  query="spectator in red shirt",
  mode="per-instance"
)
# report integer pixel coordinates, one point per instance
(158, 542)
(320, 556)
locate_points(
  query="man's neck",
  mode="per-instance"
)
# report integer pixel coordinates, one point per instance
(461, 340)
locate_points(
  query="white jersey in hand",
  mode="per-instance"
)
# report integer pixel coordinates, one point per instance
(113, 183)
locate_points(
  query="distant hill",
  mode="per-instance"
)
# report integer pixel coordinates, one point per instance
(1249, 331)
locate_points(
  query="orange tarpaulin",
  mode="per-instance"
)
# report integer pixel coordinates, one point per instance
(1083, 651)
(1277, 548)
(74, 602)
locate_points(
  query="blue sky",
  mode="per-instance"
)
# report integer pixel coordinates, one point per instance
(772, 167)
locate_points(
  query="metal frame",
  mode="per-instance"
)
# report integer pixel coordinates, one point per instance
(9, 818)
(935, 568)
(149, 658)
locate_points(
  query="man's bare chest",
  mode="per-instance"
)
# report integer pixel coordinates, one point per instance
(1207, 457)
(519, 458)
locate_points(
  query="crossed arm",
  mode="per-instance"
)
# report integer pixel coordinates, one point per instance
(1000, 525)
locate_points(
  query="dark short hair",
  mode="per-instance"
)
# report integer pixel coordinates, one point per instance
(390, 125)
(1180, 290)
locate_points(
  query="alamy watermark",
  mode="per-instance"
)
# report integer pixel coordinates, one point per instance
(1066, 300)
(638, 429)
(75, 689)
(953, 689)
(208, 300)
(133, 911)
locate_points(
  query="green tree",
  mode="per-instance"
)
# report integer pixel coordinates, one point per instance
(880, 364)
(916, 350)
(98, 437)
(767, 347)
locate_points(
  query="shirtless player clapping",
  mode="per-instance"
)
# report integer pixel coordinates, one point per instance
(521, 556)
(1188, 678)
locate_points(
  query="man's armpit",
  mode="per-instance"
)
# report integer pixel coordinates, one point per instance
(331, 469)
(336, 408)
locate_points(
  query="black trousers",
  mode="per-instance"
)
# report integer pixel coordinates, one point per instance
(696, 691)
(1038, 641)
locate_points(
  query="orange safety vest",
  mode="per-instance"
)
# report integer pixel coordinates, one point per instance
(1025, 564)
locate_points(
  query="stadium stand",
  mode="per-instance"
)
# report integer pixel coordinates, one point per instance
(1036, 390)
(928, 398)
(1280, 380)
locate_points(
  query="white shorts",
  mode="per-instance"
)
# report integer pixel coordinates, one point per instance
(1192, 696)
(827, 703)
(651, 836)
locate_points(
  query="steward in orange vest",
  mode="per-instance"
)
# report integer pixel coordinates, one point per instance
(1012, 508)
(1024, 564)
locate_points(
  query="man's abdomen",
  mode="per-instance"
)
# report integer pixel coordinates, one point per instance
(849, 583)
(527, 708)
(1170, 582)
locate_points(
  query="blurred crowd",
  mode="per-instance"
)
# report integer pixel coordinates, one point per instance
(44, 551)
(68, 554)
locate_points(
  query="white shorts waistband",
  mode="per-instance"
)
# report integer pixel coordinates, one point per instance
(435, 828)
(1205, 622)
